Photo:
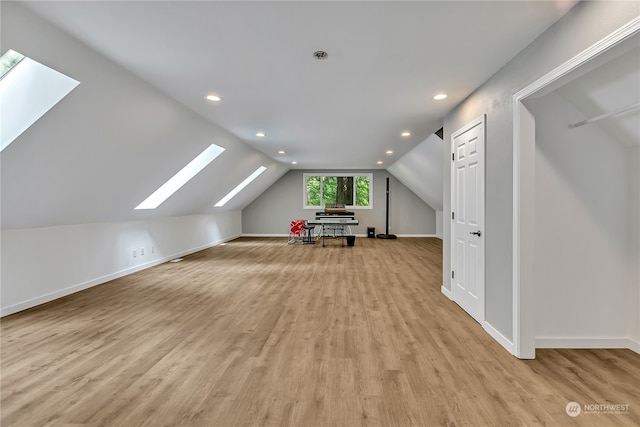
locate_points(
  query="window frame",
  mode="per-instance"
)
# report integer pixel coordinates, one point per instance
(337, 175)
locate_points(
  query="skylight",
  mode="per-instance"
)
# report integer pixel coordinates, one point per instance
(28, 90)
(9, 60)
(240, 186)
(181, 178)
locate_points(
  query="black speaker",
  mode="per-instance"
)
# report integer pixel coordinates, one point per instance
(386, 234)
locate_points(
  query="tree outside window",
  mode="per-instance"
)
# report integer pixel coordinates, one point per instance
(9, 60)
(350, 190)
(363, 190)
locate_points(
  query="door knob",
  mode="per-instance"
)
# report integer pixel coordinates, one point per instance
(477, 233)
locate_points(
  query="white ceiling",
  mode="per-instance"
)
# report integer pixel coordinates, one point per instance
(386, 61)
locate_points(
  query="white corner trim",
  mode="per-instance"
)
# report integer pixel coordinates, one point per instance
(582, 342)
(497, 335)
(619, 35)
(634, 345)
(447, 293)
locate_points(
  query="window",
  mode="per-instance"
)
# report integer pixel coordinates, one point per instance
(240, 186)
(28, 90)
(352, 190)
(183, 176)
(9, 60)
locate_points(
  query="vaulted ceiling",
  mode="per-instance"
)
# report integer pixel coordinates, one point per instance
(386, 61)
(139, 113)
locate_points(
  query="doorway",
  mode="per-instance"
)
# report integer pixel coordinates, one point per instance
(467, 218)
(599, 203)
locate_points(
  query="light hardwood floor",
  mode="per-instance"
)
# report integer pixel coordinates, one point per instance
(260, 333)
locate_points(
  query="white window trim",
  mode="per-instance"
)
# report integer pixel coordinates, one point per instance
(351, 174)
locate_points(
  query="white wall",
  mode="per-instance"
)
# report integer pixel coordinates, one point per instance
(111, 142)
(584, 25)
(271, 213)
(582, 265)
(42, 264)
(421, 170)
(71, 181)
(439, 224)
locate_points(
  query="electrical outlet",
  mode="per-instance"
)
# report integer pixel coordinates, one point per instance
(134, 253)
(142, 252)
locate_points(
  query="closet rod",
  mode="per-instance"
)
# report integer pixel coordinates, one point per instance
(604, 116)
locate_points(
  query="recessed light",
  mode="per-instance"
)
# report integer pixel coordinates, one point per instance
(260, 134)
(405, 134)
(379, 162)
(214, 98)
(440, 96)
(294, 163)
(281, 152)
(389, 152)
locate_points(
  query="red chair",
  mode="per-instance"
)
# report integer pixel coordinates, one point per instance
(296, 231)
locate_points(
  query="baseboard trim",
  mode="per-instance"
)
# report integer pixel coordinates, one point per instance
(493, 332)
(634, 346)
(497, 335)
(583, 342)
(263, 235)
(34, 302)
(357, 235)
(447, 293)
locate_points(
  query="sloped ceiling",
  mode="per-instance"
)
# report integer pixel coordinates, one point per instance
(386, 62)
(139, 114)
(421, 170)
(110, 143)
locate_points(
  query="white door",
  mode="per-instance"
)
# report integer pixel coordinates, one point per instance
(467, 229)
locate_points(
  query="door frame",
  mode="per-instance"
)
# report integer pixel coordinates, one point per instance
(523, 189)
(482, 120)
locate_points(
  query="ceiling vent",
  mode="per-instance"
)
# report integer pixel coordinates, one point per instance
(320, 55)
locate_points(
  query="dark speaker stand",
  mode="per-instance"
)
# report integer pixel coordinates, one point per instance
(386, 234)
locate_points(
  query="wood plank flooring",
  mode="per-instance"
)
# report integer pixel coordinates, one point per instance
(260, 333)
